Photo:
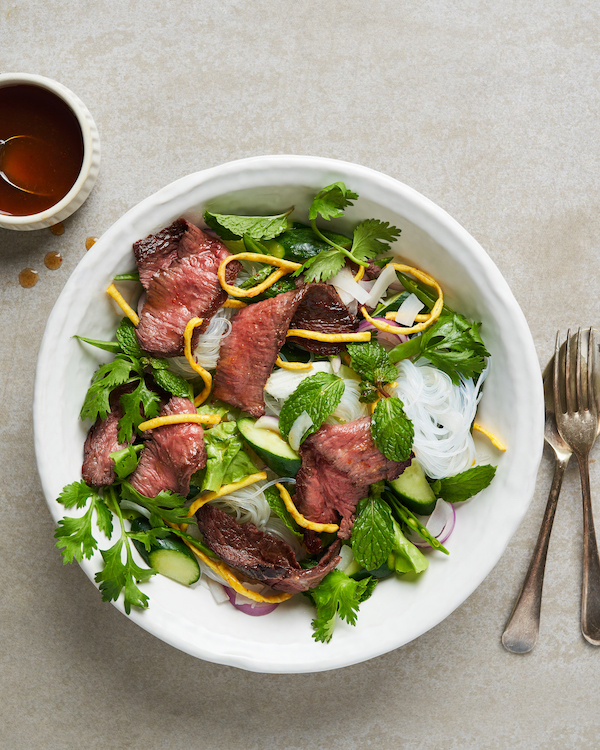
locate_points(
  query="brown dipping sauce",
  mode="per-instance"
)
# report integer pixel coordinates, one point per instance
(51, 163)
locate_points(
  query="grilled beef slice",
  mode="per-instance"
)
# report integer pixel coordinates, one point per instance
(183, 285)
(98, 467)
(172, 454)
(339, 462)
(260, 555)
(322, 310)
(248, 354)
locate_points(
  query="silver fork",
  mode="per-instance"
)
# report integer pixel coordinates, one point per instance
(577, 424)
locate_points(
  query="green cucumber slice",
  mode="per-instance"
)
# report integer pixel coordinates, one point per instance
(170, 556)
(271, 447)
(413, 490)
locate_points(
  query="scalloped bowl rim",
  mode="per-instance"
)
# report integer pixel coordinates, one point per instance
(399, 611)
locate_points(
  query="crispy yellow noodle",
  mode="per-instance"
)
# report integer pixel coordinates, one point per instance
(496, 442)
(152, 424)
(283, 267)
(293, 365)
(336, 338)
(127, 309)
(236, 304)
(359, 274)
(187, 349)
(299, 518)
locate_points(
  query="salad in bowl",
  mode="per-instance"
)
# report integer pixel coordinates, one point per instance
(283, 419)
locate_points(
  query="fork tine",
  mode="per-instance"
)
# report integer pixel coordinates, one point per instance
(578, 374)
(568, 393)
(590, 372)
(557, 404)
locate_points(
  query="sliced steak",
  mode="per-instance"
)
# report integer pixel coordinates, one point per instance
(248, 354)
(172, 454)
(98, 467)
(157, 251)
(260, 555)
(322, 310)
(339, 462)
(184, 285)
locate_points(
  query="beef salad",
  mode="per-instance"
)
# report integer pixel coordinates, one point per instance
(289, 410)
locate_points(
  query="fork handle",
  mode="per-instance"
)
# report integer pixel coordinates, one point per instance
(521, 631)
(590, 593)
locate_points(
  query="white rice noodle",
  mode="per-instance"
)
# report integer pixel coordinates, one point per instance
(408, 310)
(247, 504)
(442, 414)
(347, 288)
(350, 408)
(209, 343)
(379, 288)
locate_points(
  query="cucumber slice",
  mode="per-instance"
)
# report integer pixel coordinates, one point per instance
(273, 449)
(413, 490)
(170, 556)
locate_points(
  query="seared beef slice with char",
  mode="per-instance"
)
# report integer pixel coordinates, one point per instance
(172, 454)
(339, 462)
(248, 354)
(322, 310)
(260, 555)
(98, 467)
(181, 284)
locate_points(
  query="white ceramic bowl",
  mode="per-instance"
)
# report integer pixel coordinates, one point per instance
(512, 407)
(86, 180)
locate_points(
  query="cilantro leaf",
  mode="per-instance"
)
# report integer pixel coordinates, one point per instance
(74, 535)
(371, 237)
(331, 201)
(372, 533)
(370, 360)
(391, 429)
(118, 575)
(323, 266)
(337, 594)
(106, 378)
(257, 227)
(452, 344)
(462, 486)
(138, 406)
(126, 460)
(318, 395)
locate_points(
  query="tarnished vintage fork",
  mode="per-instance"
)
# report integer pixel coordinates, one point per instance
(577, 422)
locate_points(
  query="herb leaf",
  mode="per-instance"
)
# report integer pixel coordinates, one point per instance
(391, 429)
(322, 266)
(337, 594)
(278, 507)
(464, 485)
(370, 360)
(172, 382)
(371, 237)
(318, 395)
(128, 340)
(166, 505)
(257, 227)
(74, 535)
(372, 533)
(331, 201)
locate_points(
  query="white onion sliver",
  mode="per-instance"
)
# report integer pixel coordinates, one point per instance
(344, 281)
(408, 310)
(440, 524)
(268, 423)
(385, 278)
(217, 590)
(336, 363)
(301, 424)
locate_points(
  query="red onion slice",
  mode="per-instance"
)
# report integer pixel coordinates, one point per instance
(247, 606)
(439, 524)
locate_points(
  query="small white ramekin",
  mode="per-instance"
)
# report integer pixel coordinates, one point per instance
(91, 157)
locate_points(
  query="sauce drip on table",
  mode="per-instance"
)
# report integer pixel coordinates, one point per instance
(28, 278)
(53, 260)
(47, 162)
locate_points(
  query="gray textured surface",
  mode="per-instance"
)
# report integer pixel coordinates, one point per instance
(489, 109)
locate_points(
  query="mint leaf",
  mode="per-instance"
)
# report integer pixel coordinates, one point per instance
(336, 595)
(127, 339)
(462, 486)
(257, 227)
(391, 429)
(318, 395)
(371, 237)
(323, 266)
(370, 360)
(331, 201)
(372, 533)
(172, 383)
